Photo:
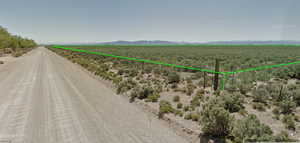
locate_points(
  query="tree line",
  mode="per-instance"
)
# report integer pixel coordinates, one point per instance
(13, 43)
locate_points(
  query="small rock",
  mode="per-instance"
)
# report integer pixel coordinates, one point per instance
(1, 62)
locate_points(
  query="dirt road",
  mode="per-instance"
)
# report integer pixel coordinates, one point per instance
(47, 99)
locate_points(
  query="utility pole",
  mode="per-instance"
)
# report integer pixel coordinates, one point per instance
(204, 79)
(216, 79)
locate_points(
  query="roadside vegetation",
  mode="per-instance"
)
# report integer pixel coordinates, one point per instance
(13, 44)
(255, 106)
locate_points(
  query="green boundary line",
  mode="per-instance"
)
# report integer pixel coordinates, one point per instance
(225, 74)
(139, 60)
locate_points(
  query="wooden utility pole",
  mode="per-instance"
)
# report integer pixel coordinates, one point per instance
(216, 79)
(204, 79)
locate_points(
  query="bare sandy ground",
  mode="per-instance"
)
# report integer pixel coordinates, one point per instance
(47, 99)
(7, 59)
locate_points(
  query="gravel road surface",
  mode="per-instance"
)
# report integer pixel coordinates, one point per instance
(47, 99)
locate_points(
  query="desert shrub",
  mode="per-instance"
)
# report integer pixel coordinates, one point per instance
(145, 92)
(173, 77)
(179, 105)
(289, 122)
(283, 136)
(195, 116)
(260, 95)
(104, 67)
(287, 106)
(134, 93)
(1, 62)
(164, 108)
(117, 80)
(259, 106)
(125, 86)
(147, 69)
(178, 113)
(186, 108)
(244, 88)
(122, 87)
(157, 71)
(83, 62)
(174, 86)
(279, 93)
(276, 111)
(195, 102)
(250, 129)
(121, 71)
(190, 88)
(215, 120)
(243, 112)
(182, 90)
(188, 116)
(276, 116)
(153, 98)
(232, 102)
(192, 108)
(296, 97)
(297, 118)
(176, 98)
(17, 54)
(133, 73)
(200, 92)
(291, 87)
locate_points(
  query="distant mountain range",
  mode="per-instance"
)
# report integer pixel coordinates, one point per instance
(159, 42)
(255, 43)
(144, 42)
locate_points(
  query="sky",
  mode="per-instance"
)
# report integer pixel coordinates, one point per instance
(67, 21)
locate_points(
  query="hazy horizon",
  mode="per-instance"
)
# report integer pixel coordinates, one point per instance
(67, 21)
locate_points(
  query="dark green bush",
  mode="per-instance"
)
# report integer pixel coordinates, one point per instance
(232, 102)
(145, 92)
(287, 106)
(186, 108)
(164, 108)
(176, 98)
(188, 116)
(215, 120)
(178, 113)
(289, 122)
(250, 129)
(134, 93)
(126, 85)
(195, 117)
(179, 105)
(153, 98)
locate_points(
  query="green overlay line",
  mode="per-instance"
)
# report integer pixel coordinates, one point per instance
(265, 67)
(176, 66)
(135, 59)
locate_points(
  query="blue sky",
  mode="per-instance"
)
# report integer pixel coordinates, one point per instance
(175, 20)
